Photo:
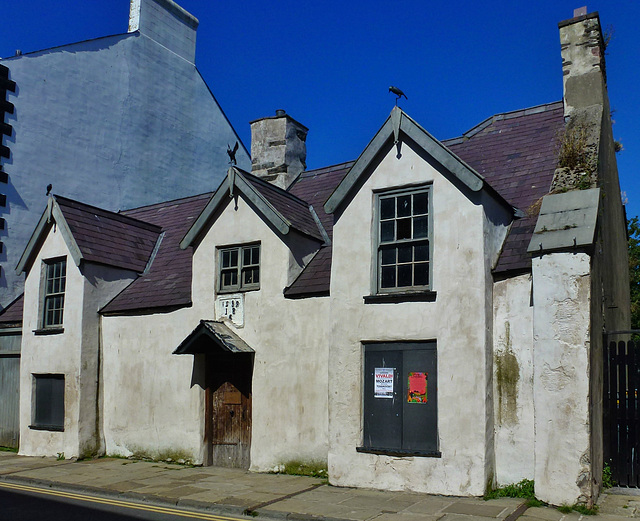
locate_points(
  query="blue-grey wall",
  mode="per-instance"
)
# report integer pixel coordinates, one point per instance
(116, 122)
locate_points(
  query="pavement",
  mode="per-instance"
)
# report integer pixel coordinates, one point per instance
(277, 496)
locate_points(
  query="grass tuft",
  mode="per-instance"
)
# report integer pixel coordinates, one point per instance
(523, 489)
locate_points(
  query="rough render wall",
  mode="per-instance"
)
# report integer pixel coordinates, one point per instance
(513, 379)
(496, 225)
(290, 339)
(152, 404)
(74, 353)
(587, 103)
(561, 322)
(154, 400)
(116, 122)
(457, 320)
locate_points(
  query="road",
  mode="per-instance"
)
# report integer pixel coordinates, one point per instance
(27, 503)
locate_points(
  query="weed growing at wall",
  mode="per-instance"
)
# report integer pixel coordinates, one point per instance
(607, 478)
(8, 449)
(524, 489)
(581, 509)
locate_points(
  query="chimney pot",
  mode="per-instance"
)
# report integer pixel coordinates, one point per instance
(280, 113)
(580, 11)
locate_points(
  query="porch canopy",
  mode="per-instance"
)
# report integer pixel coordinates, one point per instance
(208, 331)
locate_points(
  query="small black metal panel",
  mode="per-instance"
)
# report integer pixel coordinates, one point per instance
(49, 406)
(407, 420)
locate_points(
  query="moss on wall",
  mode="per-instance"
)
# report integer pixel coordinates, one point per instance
(507, 373)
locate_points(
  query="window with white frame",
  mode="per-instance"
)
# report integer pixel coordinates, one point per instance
(239, 268)
(48, 402)
(55, 277)
(404, 232)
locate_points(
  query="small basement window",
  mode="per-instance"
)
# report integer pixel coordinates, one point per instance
(48, 409)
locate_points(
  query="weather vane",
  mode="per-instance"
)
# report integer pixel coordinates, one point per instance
(398, 93)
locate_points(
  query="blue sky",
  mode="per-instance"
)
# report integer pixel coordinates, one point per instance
(329, 64)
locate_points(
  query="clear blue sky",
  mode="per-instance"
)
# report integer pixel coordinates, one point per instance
(329, 64)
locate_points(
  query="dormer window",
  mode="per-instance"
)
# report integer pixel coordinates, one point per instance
(55, 278)
(404, 232)
(239, 268)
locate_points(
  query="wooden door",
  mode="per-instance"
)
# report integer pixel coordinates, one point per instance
(229, 411)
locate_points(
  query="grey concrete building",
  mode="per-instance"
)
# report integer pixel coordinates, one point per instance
(119, 122)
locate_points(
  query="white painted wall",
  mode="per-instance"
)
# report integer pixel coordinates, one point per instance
(513, 379)
(458, 320)
(74, 353)
(151, 406)
(561, 345)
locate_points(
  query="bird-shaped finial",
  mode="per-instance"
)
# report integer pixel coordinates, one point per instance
(232, 154)
(398, 93)
(49, 188)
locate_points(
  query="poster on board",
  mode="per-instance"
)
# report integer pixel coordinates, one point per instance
(383, 382)
(417, 387)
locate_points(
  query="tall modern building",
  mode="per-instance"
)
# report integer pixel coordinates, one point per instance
(118, 122)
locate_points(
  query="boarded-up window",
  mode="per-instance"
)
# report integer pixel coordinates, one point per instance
(48, 413)
(400, 397)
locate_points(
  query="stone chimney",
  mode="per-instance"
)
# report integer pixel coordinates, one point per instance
(583, 68)
(278, 149)
(166, 23)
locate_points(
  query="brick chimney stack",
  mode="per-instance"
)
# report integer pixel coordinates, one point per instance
(583, 67)
(278, 148)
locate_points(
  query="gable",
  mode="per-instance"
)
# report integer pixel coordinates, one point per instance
(398, 127)
(94, 235)
(279, 208)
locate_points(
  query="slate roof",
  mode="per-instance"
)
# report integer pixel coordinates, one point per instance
(109, 238)
(12, 314)
(293, 209)
(315, 186)
(516, 152)
(167, 284)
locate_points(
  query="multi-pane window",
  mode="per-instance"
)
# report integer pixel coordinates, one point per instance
(54, 286)
(48, 411)
(403, 240)
(239, 268)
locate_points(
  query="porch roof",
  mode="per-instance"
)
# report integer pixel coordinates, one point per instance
(211, 330)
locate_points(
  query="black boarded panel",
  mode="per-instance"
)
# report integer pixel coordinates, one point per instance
(382, 416)
(419, 418)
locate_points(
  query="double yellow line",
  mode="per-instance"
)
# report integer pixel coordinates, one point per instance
(117, 503)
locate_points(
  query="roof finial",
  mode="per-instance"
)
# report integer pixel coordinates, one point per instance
(398, 93)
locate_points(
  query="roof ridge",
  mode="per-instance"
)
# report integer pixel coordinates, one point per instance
(276, 188)
(48, 49)
(326, 169)
(536, 109)
(116, 216)
(161, 203)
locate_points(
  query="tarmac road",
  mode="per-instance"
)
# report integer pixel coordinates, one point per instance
(27, 503)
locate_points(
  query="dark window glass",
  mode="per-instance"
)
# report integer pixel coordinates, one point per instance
(404, 224)
(420, 203)
(389, 255)
(240, 268)
(387, 229)
(404, 205)
(55, 283)
(388, 276)
(387, 208)
(405, 253)
(404, 276)
(420, 227)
